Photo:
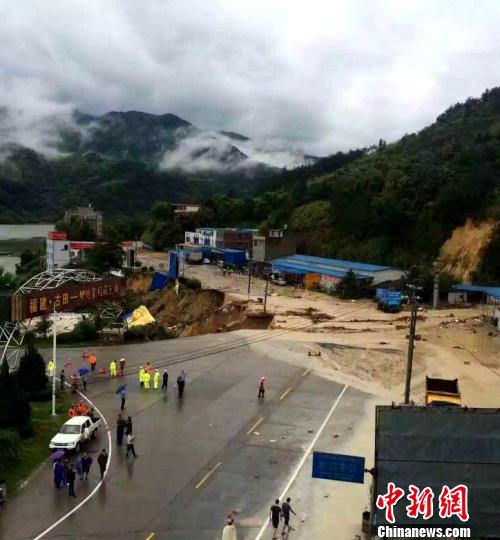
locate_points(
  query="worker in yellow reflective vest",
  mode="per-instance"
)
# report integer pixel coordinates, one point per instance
(141, 376)
(147, 379)
(112, 368)
(156, 380)
(50, 368)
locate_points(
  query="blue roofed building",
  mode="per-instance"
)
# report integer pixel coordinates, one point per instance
(328, 272)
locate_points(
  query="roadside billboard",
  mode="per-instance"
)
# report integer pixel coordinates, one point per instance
(69, 297)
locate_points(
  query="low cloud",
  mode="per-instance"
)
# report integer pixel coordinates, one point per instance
(319, 76)
(203, 151)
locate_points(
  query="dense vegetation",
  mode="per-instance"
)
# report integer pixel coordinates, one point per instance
(390, 203)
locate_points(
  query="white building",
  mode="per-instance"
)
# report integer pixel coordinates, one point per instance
(58, 250)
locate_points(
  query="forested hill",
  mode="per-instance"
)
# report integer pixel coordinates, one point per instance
(399, 202)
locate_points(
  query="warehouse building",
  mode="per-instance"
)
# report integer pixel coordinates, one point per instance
(273, 245)
(320, 272)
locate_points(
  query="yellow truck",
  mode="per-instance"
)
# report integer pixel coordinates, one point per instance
(442, 392)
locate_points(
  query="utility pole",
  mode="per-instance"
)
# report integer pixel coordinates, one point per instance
(250, 261)
(411, 340)
(437, 270)
(265, 293)
(54, 359)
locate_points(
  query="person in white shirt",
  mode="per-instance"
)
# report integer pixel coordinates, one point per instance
(130, 445)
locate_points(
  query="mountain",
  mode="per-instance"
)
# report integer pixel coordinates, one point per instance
(398, 203)
(140, 136)
(122, 162)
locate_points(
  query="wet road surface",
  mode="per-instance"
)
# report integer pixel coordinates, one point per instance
(199, 457)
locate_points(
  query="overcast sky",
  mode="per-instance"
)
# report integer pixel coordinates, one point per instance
(319, 75)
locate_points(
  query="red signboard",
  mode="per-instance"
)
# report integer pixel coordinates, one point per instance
(82, 245)
(57, 235)
(66, 298)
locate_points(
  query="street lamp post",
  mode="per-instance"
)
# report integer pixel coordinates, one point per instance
(54, 360)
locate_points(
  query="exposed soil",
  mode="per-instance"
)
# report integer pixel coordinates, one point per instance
(461, 253)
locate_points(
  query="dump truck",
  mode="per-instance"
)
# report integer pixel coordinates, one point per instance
(442, 392)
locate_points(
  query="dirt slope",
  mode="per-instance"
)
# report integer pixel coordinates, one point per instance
(461, 253)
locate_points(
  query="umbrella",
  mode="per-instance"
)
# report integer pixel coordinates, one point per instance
(83, 371)
(56, 455)
(120, 388)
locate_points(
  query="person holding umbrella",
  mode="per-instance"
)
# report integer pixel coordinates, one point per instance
(58, 468)
(83, 377)
(122, 392)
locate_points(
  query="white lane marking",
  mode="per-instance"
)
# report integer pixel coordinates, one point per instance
(304, 457)
(94, 491)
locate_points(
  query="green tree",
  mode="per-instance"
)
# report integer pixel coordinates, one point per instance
(162, 211)
(30, 264)
(7, 280)
(104, 257)
(43, 326)
(31, 373)
(14, 405)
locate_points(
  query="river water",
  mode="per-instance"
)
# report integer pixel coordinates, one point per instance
(14, 239)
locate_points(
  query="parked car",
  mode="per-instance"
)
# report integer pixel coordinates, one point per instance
(206, 261)
(74, 432)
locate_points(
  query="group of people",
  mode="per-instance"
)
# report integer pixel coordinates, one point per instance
(65, 472)
(147, 373)
(277, 513)
(124, 428)
(113, 367)
(80, 409)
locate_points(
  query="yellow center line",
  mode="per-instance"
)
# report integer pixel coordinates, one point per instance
(255, 425)
(207, 476)
(283, 396)
(150, 536)
(307, 371)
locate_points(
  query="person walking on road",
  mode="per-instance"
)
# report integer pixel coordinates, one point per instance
(59, 473)
(86, 463)
(78, 468)
(102, 460)
(147, 379)
(50, 369)
(122, 367)
(274, 517)
(262, 390)
(142, 371)
(156, 379)
(92, 361)
(112, 368)
(130, 445)
(120, 427)
(286, 510)
(84, 383)
(165, 381)
(229, 532)
(70, 479)
(123, 397)
(128, 426)
(181, 383)
(62, 378)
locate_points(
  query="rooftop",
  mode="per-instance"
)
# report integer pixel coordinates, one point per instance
(287, 267)
(490, 290)
(348, 265)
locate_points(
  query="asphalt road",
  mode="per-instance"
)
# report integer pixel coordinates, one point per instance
(218, 450)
